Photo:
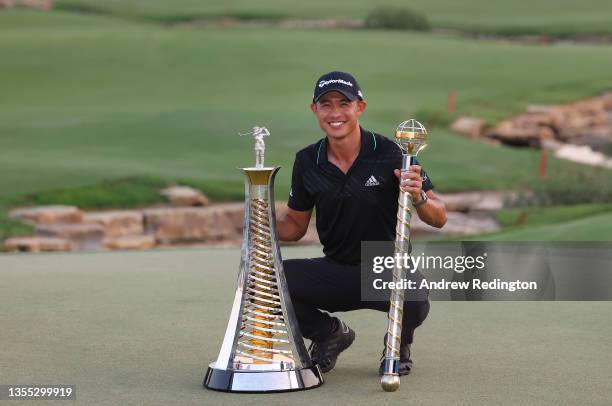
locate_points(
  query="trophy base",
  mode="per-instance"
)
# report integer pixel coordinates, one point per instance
(262, 381)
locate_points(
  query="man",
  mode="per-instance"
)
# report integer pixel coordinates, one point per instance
(351, 176)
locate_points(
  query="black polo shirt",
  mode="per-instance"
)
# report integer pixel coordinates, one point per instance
(360, 205)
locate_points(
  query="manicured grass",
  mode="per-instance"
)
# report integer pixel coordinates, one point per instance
(10, 228)
(561, 17)
(139, 328)
(592, 228)
(536, 216)
(587, 222)
(85, 101)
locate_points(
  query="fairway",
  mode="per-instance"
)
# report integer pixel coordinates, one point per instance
(92, 98)
(88, 98)
(540, 16)
(140, 328)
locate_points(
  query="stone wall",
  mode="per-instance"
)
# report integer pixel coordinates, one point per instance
(66, 228)
(586, 122)
(37, 4)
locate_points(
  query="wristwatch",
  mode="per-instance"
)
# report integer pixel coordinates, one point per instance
(423, 200)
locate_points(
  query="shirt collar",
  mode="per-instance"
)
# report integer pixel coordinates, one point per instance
(368, 146)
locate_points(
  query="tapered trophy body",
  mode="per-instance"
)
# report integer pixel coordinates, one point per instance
(411, 137)
(263, 349)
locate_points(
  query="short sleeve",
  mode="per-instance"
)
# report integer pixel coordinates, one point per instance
(299, 198)
(427, 183)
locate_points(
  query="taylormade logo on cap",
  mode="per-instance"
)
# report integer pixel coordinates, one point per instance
(342, 82)
(327, 82)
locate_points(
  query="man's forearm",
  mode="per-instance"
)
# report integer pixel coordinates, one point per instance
(287, 229)
(433, 212)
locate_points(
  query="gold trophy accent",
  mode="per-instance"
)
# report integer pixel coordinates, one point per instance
(411, 137)
(263, 350)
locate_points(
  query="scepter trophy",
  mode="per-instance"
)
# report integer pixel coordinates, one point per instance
(411, 137)
(263, 349)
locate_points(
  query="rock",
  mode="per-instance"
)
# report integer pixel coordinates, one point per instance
(117, 222)
(606, 101)
(37, 244)
(589, 106)
(516, 136)
(459, 202)
(539, 108)
(582, 122)
(185, 196)
(470, 126)
(82, 236)
(8, 3)
(129, 242)
(596, 136)
(38, 4)
(551, 145)
(579, 115)
(583, 154)
(473, 201)
(576, 120)
(322, 24)
(213, 223)
(532, 120)
(458, 224)
(48, 214)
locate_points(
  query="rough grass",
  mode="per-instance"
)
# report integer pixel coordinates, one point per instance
(548, 17)
(134, 191)
(10, 228)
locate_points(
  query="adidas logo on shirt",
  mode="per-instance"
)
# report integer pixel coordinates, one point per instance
(372, 181)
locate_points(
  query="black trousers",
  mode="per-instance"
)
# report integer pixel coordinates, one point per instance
(317, 284)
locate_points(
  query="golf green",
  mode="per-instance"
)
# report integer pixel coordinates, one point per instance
(139, 328)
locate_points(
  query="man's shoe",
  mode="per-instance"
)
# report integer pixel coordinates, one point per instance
(325, 352)
(405, 365)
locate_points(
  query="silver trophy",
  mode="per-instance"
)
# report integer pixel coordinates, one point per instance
(263, 350)
(411, 137)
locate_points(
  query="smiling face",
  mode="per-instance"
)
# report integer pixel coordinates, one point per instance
(338, 116)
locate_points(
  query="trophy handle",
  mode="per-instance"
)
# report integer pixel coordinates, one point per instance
(411, 138)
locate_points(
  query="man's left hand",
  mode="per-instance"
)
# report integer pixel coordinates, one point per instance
(411, 181)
